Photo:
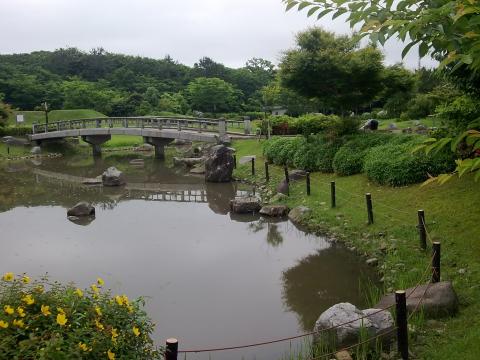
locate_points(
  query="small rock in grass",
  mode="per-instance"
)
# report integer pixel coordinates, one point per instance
(372, 262)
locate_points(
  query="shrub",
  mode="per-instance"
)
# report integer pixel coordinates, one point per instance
(15, 130)
(460, 112)
(45, 320)
(281, 150)
(309, 124)
(395, 165)
(350, 157)
(316, 154)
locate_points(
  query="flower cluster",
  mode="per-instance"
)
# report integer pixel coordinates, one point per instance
(51, 320)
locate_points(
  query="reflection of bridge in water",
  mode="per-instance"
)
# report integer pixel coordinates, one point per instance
(186, 192)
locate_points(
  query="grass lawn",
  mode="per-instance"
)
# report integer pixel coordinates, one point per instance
(452, 217)
(14, 150)
(54, 115)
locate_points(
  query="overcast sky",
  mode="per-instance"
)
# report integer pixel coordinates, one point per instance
(228, 31)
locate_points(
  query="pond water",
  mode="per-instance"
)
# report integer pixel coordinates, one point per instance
(211, 278)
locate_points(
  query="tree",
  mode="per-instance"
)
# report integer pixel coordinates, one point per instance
(332, 69)
(447, 30)
(211, 95)
(399, 87)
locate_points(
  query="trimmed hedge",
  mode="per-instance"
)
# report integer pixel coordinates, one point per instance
(282, 150)
(316, 154)
(15, 130)
(350, 157)
(395, 165)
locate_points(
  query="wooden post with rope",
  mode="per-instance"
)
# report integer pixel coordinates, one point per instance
(422, 231)
(332, 194)
(402, 327)
(171, 349)
(368, 198)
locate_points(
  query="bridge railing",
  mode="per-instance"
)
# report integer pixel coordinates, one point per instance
(157, 122)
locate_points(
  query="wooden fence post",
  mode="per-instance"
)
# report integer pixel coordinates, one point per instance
(332, 194)
(234, 161)
(253, 166)
(267, 174)
(368, 198)
(308, 183)
(436, 263)
(285, 170)
(171, 349)
(422, 231)
(402, 327)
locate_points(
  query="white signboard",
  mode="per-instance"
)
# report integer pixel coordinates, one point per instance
(20, 118)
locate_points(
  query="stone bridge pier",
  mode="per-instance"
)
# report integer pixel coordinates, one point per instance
(96, 141)
(159, 144)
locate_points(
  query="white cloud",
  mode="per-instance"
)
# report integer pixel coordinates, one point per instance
(228, 31)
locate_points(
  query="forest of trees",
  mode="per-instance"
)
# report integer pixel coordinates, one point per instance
(340, 78)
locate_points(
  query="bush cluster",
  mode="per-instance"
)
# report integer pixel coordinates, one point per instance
(329, 125)
(46, 320)
(385, 158)
(15, 130)
(396, 165)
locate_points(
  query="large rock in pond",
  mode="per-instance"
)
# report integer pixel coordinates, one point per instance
(113, 177)
(219, 164)
(36, 150)
(298, 214)
(274, 210)
(81, 209)
(342, 324)
(436, 300)
(245, 205)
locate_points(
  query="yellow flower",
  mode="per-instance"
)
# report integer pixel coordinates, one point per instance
(8, 309)
(39, 289)
(119, 300)
(111, 355)
(9, 276)
(136, 331)
(83, 347)
(130, 308)
(60, 310)
(45, 310)
(79, 292)
(94, 288)
(125, 299)
(18, 323)
(25, 279)
(28, 299)
(3, 324)
(21, 311)
(98, 310)
(100, 282)
(114, 335)
(99, 325)
(61, 319)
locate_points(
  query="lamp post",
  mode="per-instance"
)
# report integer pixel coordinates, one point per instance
(45, 107)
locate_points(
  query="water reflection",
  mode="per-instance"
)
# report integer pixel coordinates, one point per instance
(321, 280)
(169, 236)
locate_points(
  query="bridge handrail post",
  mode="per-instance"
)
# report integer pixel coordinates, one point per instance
(179, 126)
(98, 123)
(222, 128)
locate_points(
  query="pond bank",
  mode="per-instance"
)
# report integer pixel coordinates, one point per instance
(451, 213)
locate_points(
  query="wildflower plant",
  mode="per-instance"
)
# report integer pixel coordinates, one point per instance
(40, 319)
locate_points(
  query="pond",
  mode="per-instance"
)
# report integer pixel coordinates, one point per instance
(211, 278)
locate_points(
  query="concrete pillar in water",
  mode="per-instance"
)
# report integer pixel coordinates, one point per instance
(159, 144)
(96, 141)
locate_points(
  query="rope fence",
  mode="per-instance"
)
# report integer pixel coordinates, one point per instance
(400, 296)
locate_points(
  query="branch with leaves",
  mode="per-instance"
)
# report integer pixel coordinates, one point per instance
(447, 30)
(470, 163)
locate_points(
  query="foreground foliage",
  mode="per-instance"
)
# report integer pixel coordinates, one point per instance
(47, 320)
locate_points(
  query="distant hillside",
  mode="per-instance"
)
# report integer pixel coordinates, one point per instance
(32, 117)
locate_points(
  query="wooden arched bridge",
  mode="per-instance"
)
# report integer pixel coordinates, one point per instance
(157, 131)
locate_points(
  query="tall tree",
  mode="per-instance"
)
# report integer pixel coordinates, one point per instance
(331, 69)
(211, 95)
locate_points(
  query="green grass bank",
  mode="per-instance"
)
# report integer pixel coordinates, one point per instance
(451, 215)
(31, 117)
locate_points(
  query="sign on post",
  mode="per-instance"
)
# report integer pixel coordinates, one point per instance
(20, 119)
